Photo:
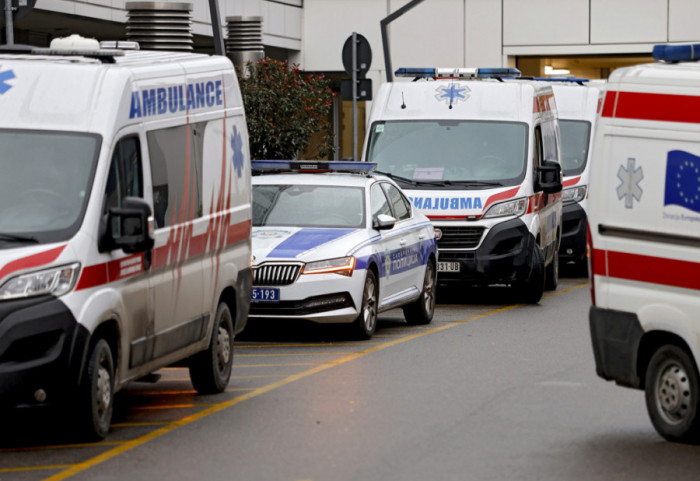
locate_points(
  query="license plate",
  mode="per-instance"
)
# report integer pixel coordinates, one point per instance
(448, 266)
(264, 294)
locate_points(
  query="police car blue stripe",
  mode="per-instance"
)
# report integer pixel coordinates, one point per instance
(306, 239)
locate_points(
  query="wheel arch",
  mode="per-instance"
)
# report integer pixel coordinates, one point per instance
(650, 343)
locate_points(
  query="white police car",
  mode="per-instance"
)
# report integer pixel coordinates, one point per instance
(334, 244)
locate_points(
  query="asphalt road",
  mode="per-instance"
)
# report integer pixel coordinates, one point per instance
(491, 390)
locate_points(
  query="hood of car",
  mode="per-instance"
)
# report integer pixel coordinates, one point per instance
(303, 244)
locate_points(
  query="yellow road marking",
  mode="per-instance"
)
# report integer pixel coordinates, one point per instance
(35, 468)
(129, 445)
(61, 446)
(281, 364)
(295, 354)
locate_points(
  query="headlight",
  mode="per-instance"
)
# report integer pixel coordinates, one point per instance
(573, 194)
(56, 281)
(341, 265)
(515, 207)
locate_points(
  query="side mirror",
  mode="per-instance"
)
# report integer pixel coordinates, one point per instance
(383, 222)
(549, 177)
(128, 227)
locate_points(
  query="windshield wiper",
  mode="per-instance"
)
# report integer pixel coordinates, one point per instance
(18, 238)
(472, 183)
(406, 180)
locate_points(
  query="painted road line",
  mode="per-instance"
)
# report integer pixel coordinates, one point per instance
(129, 445)
(35, 468)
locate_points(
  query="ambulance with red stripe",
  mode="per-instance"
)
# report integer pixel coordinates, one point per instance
(478, 152)
(644, 225)
(125, 218)
(578, 104)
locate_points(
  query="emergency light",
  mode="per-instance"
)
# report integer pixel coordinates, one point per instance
(676, 53)
(269, 166)
(470, 73)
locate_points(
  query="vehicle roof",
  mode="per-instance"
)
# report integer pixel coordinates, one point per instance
(486, 99)
(682, 74)
(577, 102)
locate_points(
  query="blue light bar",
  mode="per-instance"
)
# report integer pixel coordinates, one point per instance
(473, 73)
(312, 166)
(677, 53)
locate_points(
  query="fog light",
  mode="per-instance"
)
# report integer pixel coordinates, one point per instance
(569, 251)
(40, 395)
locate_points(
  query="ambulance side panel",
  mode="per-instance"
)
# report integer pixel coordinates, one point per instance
(645, 229)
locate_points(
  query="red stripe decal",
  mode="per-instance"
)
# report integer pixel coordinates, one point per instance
(657, 107)
(573, 181)
(654, 270)
(447, 217)
(506, 194)
(36, 260)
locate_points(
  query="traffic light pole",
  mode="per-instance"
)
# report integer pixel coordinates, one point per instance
(9, 32)
(385, 36)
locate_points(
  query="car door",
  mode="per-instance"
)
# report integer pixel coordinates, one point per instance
(405, 267)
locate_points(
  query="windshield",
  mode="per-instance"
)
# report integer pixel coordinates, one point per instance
(45, 180)
(308, 206)
(575, 136)
(443, 152)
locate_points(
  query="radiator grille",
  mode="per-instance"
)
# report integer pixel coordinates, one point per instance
(276, 274)
(460, 237)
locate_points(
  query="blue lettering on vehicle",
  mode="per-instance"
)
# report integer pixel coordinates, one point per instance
(444, 203)
(176, 98)
(404, 259)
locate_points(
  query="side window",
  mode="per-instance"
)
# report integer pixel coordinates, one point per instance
(538, 154)
(177, 173)
(399, 203)
(124, 178)
(379, 203)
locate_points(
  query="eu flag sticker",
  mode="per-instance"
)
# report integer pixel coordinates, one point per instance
(683, 180)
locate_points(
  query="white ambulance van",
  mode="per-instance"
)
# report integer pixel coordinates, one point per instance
(578, 102)
(477, 151)
(125, 218)
(644, 226)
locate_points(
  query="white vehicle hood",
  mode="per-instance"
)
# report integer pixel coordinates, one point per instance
(304, 244)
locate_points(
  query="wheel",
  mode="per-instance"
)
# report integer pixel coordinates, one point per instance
(673, 394)
(210, 370)
(531, 290)
(421, 311)
(366, 322)
(96, 401)
(552, 273)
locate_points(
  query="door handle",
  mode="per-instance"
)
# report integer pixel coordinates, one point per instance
(421, 236)
(402, 242)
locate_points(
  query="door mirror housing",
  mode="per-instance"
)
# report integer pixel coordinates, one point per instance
(128, 227)
(549, 177)
(383, 222)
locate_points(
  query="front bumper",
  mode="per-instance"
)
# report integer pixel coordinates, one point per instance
(616, 336)
(573, 237)
(322, 298)
(41, 347)
(504, 256)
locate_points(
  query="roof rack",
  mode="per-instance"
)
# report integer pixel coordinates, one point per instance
(311, 166)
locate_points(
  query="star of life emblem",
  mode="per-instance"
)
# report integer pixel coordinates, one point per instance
(629, 188)
(4, 77)
(452, 93)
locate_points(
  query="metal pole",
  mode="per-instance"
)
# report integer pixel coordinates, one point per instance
(354, 96)
(216, 27)
(9, 32)
(385, 36)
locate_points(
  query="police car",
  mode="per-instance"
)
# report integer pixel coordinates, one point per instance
(333, 243)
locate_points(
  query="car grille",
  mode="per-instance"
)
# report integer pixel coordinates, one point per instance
(276, 274)
(460, 237)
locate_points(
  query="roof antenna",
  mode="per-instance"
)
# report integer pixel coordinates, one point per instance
(403, 102)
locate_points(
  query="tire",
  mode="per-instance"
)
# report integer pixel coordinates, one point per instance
(531, 291)
(672, 392)
(366, 322)
(96, 393)
(552, 273)
(421, 311)
(210, 370)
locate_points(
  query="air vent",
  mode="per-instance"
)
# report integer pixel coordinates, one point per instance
(160, 25)
(244, 40)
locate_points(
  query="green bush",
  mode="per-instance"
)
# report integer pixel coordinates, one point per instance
(284, 108)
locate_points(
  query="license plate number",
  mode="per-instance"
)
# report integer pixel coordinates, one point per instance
(264, 294)
(448, 266)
